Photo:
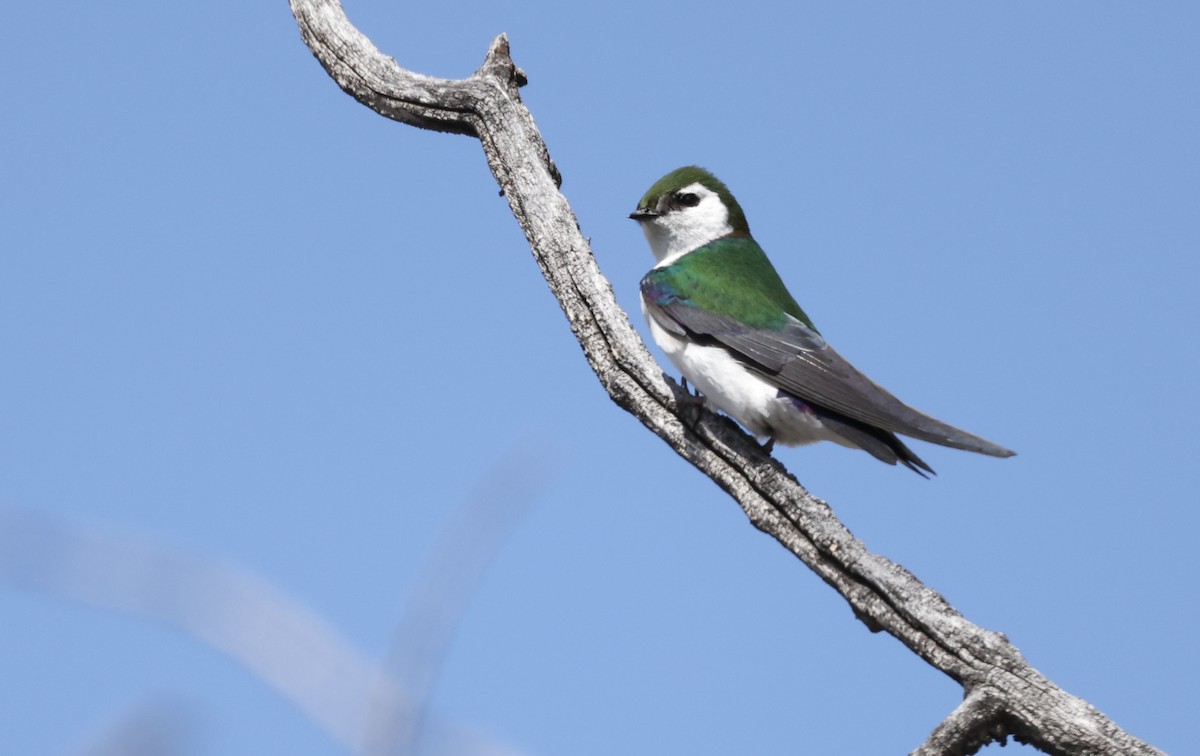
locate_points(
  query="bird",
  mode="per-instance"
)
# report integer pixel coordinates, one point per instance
(720, 312)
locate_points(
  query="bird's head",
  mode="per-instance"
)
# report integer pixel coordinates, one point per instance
(686, 209)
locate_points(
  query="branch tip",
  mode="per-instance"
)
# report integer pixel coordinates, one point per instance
(498, 63)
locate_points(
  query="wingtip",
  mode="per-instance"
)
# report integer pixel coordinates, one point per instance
(956, 438)
(995, 450)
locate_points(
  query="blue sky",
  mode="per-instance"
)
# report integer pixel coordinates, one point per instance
(247, 322)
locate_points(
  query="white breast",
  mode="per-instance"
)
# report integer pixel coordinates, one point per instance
(743, 395)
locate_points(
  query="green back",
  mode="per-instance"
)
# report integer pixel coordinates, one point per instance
(731, 276)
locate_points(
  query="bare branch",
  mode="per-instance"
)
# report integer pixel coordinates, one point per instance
(977, 721)
(882, 594)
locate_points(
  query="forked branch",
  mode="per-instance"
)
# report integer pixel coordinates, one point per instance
(1004, 695)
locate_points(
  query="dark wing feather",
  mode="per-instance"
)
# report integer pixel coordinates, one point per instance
(796, 359)
(880, 444)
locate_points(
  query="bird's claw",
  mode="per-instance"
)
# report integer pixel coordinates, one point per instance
(697, 402)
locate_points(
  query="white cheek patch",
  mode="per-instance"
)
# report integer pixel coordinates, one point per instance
(677, 232)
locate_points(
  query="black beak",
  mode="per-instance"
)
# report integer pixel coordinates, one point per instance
(643, 214)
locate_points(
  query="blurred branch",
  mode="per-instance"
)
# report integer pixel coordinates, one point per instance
(885, 596)
(441, 592)
(158, 728)
(279, 640)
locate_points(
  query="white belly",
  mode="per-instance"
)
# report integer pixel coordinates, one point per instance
(740, 393)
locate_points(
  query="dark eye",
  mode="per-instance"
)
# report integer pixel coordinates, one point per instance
(687, 199)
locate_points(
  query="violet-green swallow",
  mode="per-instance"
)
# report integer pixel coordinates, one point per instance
(720, 312)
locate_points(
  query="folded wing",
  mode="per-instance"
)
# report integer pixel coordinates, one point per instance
(796, 359)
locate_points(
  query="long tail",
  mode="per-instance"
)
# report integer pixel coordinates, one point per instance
(880, 444)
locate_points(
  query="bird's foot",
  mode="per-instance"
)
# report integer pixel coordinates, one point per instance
(694, 405)
(693, 390)
(769, 445)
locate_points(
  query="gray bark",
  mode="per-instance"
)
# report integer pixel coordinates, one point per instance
(1003, 695)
